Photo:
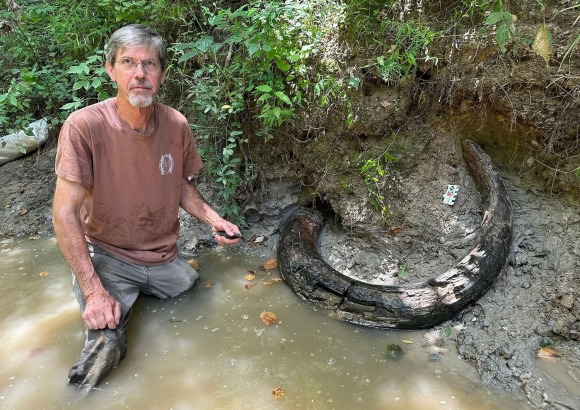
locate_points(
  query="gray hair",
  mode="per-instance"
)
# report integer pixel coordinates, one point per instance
(136, 35)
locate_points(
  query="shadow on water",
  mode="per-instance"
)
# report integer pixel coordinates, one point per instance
(209, 349)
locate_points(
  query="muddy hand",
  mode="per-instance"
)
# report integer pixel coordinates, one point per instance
(225, 232)
(227, 238)
(101, 311)
(225, 235)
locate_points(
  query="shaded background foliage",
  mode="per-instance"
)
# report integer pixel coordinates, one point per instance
(243, 71)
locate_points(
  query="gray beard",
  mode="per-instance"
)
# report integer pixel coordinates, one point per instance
(140, 100)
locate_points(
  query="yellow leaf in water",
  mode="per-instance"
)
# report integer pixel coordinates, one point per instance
(547, 352)
(268, 318)
(271, 264)
(43, 274)
(278, 280)
(23, 211)
(278, 392)
(250, 285)
(409, 342)
(193, 263)
(250, 276)
(208, 284)
(543, 43)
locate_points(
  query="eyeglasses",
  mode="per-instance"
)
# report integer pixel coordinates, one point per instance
(149, 66)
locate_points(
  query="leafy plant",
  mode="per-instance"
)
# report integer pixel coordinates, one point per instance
(402, 271)
(91, 79)
(504, 23)
(448, 331)
(374, 173)
(411, 41)
(252, 68)
(576, 40)
(399, 44)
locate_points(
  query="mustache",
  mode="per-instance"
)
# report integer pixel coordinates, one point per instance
(143, 83)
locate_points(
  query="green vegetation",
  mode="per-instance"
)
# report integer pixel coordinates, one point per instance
(504, 23)
(402, 271)
(448, 331)
(576, 40)
(374, 172)
(262, 60)
(398, 43)
(237, 72)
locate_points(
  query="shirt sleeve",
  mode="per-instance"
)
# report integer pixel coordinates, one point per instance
(73, 157)
(192, 162)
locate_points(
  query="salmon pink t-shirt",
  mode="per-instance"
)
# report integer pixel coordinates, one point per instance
(133, 181)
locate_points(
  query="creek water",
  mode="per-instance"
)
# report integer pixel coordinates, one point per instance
(209, 349)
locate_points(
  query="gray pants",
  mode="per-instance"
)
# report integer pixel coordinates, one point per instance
(105, 348)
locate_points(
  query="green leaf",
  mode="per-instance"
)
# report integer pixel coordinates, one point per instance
(79, 69)
(402, 271)
(264, 88)
(354, 82)
(294, 58)
(81, 84)
(188, 55)
(252, 48)
(284, 66)
(71, 105)
(283, 97)
(203, 44)
(493, 18)
(501, 36)
(215, 47)
(390, 158)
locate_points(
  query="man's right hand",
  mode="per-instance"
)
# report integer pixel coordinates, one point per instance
(101, 311)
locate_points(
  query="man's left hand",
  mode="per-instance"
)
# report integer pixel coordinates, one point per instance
(229, 234)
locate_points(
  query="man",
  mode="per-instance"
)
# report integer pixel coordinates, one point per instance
(124, 168)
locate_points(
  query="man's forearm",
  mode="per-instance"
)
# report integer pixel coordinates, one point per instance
(73, 246)
(194, 204)
(68, 198)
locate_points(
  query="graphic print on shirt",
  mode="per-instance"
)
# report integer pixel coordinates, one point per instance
(166, 164)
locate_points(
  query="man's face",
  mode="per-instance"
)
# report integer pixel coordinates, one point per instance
(137, 72)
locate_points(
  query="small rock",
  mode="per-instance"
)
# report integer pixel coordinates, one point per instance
(394, 351)
(562, 325)
(567, 301)
(434, 358)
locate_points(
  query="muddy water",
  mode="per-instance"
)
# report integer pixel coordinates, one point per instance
(209, 349)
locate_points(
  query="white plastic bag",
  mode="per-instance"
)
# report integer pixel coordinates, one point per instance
(15, 145)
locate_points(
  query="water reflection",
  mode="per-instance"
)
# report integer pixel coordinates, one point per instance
(210, 350)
